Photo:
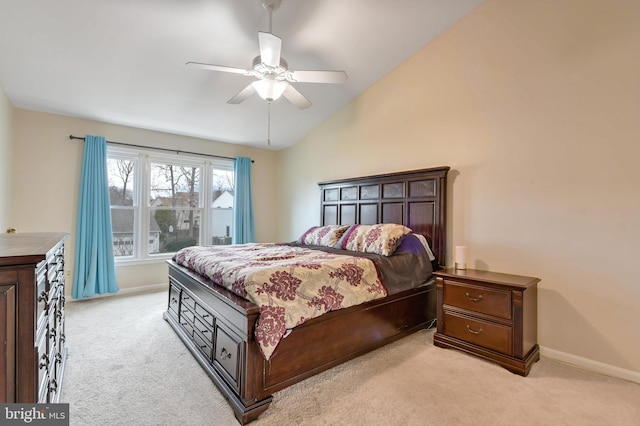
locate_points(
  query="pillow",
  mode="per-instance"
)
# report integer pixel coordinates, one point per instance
(379, 239)
(424, 242)
(410, 244)
(327, 235)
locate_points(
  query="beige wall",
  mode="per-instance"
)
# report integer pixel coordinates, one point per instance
(535, 106)
(6, 125)
(47, 167)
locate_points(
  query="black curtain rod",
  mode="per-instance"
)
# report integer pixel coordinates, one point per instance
(177, 151)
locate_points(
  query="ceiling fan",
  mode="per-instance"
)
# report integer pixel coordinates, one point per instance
(273, 76)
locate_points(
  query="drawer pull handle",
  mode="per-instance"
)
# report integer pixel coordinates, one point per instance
(224, 354)
(44, 361)
(474, 299)
(43, 296)
(473, 331)
(174, 300)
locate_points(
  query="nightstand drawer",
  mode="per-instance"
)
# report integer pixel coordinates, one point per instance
(477, 299)
(492, 336)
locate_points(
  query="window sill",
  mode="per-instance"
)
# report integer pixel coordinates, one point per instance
(148, 261)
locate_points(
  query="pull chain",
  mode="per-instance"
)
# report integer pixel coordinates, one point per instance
(269, 123)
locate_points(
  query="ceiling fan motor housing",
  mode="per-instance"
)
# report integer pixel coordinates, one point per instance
(271, 5)
(264, 71)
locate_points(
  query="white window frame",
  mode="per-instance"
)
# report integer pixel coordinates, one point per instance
(142, 206)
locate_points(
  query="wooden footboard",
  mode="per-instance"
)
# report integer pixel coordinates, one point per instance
(217, 327)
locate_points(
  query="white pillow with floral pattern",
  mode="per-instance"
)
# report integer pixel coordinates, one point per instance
(327, 235)
(382, 238)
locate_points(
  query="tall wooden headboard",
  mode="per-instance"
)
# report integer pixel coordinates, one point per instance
(416, 199)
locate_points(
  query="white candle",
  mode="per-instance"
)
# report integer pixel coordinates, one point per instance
(461, 257)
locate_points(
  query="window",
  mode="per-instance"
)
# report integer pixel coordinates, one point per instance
(175, 203)
(124, 206)
(162, 203)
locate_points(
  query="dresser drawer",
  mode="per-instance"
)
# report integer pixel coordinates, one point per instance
(492, 336)
(43, 369)
(227, 353)
(484, 300)
(205, 330)
(188, 300)
(203, 344)
(174, 300)
(186, 325)
(42, 297)
(204, 315)
(186, 313)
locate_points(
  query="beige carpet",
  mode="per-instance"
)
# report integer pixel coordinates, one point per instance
(127, 367)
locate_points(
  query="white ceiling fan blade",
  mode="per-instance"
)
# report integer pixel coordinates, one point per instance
(296, 97)
(242, 95)
(270, 47)
(335, 77)
(222, 68)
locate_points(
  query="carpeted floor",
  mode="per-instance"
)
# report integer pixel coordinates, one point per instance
(126, 366)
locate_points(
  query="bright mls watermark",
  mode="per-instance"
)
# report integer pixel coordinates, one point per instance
(34, 414)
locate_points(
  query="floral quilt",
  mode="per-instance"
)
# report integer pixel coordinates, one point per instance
(290, 284)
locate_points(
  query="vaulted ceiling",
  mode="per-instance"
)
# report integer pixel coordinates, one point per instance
(123, 61)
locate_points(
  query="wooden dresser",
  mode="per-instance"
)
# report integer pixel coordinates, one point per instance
(32, 317)
(489, 314)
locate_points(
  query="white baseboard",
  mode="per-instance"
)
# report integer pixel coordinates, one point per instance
(145, 288)
(591, 365)
(126, 291)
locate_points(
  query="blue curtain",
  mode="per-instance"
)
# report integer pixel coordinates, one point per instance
(95, 271)
(243, 225)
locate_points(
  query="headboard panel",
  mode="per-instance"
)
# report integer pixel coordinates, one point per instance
(416, 199)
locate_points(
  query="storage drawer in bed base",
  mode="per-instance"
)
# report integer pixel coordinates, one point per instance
(222, 347)
(245, 410)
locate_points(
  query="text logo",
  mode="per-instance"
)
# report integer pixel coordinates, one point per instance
(35, 414)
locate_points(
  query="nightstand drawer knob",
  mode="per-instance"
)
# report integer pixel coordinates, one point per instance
(474, 299)
(470, 330)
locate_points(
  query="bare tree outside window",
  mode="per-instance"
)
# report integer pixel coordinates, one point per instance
(121, 197)
(121, 182)
(223, 181)
(175, 201)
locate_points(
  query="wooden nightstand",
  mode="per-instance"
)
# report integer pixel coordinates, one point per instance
(489, 314)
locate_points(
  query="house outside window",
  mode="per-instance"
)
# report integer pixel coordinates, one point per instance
(162, 203)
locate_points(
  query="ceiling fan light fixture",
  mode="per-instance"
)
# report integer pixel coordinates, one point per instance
(271, 71)
(269, 90)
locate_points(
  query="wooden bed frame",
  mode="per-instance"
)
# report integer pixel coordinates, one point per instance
(217, 326)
